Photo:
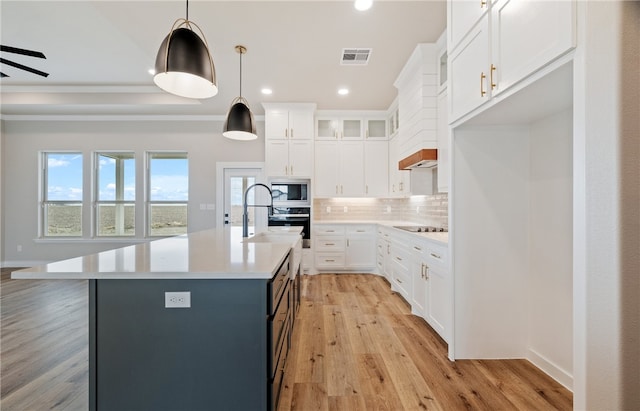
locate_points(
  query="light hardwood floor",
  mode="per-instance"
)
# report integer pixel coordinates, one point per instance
(355, 347)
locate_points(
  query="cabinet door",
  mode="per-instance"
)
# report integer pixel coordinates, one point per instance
(376, 168)
(277, 157)
(419, 297)
(351, 168)
(375, 129)
(438, 299)
(300, 157)
(276, 124)
(526, 35)
(351, 129)
(327, 169)
(444, 136)
(469, 66)
(301, 124)
(462, 15)
(360, 251)
(327, 129)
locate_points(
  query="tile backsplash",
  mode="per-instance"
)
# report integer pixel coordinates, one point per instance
(424, 210)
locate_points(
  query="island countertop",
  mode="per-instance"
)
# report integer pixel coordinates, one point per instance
(208, 254)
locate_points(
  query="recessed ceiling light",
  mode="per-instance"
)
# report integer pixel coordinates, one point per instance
(267, 91)
(343, 91)
(151, 71)
(363, 5)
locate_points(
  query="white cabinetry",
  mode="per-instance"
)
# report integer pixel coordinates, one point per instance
(376, 168)
(503, 46)
(289, 140)
(339, 169)
(431, 296)
(444, 137)
(338, 128)
(400, 268)
(399, 180)
(344, 247)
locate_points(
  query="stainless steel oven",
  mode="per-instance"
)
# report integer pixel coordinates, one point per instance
(291, 192)
(293, 216)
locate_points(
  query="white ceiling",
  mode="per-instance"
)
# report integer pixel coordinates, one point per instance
(98, 53)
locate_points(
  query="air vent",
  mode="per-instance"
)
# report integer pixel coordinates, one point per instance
(355, 57)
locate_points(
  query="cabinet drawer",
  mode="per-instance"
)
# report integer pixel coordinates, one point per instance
(329, 229)
(275, 383)
(277, 286)
(329, 260)
(360, 230)
(278, 329)
(437, 255)
(329, 243)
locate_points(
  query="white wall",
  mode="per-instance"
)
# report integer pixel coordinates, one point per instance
(24, 139)
(489, 241)
(1, 190)
(550, 282)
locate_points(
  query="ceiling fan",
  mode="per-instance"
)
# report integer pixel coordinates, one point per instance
(24, 52)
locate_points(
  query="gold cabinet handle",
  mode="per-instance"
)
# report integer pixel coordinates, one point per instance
(329, 261)
(482, 77)
(493, 84)
(336, 189)
(291, 166)
(347, 242)
(366, 187)
(291, 133)
(415, 247)
(366, 133)
(435, 255)
(331, 231)
(398, 258)
(341, 189)
(483, 4)
(422, 270)
(426, 272)
(329, 243)
(398, 280)
(286, 133)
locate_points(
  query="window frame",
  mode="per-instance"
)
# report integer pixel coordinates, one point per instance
(149, 203)
(96, 202)
(44, 202)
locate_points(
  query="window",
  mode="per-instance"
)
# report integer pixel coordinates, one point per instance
(62, 194)
(115, 194)
(168, 193)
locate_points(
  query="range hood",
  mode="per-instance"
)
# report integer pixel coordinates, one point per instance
(425, 158)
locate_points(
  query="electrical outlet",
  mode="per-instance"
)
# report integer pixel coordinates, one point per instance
(388, 209)
(19, 248)
(417, 209)
(346, 209)
(177, 299)
(328, 209)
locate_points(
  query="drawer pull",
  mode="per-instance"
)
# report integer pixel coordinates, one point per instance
(398, 280)
(434, 255)
(398, 258)
(361, 231)
(330, 231)
(329, 261)
(417, 248)
(329, 243)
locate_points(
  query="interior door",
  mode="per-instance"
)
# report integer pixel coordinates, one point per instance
(236, 182)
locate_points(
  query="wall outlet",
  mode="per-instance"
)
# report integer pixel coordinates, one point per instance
(388, 209)
(417, 209)
(19, 248)
(328, 209)
(203, 206)
(177, 299)
(346, 209)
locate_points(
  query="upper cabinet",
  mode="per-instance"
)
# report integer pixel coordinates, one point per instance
(335, 127)
(495, 45)
(289, 139)
(289, 121)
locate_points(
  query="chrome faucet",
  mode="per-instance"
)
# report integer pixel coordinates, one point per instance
(245, 206)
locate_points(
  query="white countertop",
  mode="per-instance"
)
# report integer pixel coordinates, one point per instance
(209, 254)
(439, 237)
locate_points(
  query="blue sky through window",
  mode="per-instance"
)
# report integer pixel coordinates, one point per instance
(169, 178)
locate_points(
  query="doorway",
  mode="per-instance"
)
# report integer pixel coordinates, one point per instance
(233, 181)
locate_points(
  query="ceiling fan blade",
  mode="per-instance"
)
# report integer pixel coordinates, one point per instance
(25, 68)
(25, 52)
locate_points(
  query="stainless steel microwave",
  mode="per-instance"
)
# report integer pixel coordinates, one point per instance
(291, 192)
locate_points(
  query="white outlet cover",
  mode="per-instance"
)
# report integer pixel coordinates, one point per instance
(177, 299)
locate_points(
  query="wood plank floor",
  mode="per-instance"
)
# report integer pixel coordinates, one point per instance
(355, 347)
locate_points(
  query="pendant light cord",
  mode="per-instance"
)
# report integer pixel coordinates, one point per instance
(241, 74)
(187, 10)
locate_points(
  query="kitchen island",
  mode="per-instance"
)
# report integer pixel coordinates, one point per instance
(199, 321)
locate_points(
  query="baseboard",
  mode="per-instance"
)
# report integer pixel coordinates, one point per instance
(551, 369)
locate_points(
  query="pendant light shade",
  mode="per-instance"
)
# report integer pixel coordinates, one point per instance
(184, 66)
(240, 124)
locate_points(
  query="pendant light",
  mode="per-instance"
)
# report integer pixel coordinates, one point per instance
(240, 124)
(184, 66)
